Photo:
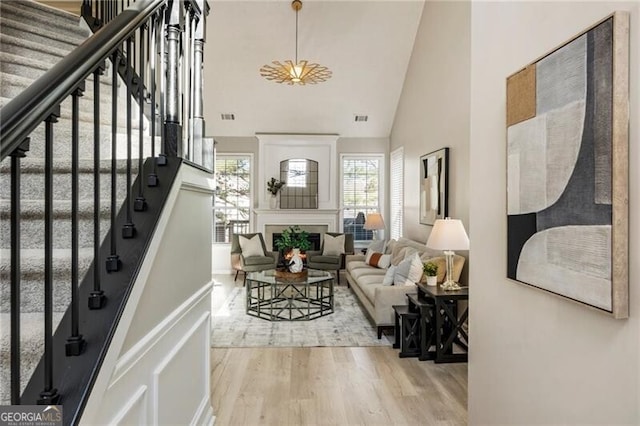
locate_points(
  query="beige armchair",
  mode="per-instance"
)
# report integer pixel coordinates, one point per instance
(316, 260)
(246, 264)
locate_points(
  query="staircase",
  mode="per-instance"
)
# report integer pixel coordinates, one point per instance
(33, 38)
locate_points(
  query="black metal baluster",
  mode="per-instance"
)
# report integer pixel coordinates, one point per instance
(129, 229)
(113, 261)
(15, 270)
(152, 180)
(49, 396)
(75, 343)
(96, 298)
(162, 158)
(141, 204)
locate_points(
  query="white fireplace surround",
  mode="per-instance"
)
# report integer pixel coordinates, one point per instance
(286, 218)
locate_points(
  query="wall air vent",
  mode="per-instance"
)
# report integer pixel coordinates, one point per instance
(360, 118)
(228, 116)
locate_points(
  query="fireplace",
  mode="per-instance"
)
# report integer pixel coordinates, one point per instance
(316, 231)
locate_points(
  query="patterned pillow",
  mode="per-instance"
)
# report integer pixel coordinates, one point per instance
(409, 271)
(378, 259)
(388, 277)
(333, 246)
(251, 247)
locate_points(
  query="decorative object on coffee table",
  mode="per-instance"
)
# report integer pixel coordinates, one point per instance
(567, 169)
(448, 235)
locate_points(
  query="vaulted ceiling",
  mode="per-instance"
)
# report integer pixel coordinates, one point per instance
(366, 44)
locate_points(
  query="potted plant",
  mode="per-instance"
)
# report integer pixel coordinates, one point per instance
(292, 239)
(274, 186)
(430, 269)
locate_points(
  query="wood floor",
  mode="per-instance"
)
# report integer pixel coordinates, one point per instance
(334, 386)
(330, 386)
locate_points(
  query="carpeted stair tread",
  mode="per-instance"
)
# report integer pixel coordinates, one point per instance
(36, 165)
(34, 209)
(31, 345)
(58, 39)
(48, 11)
(19, 46)
(31, 12)
(18, 65)
(13, 84)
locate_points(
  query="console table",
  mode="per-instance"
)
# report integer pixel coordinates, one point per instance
(449, 331)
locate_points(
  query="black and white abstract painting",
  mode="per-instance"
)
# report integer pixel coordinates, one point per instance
(565, 174)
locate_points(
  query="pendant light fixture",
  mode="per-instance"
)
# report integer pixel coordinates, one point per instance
(294, 72)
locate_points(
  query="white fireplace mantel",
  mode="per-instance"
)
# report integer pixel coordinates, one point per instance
(287, 217)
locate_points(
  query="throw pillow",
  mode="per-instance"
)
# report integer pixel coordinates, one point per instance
(409, 271)
(390, 246)
(376, 245)
(251, 246)
(378, 260)
(388, 277)
(397, 254)
(333, 246)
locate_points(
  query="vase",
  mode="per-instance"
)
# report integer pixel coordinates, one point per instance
(295, 263)
(433, 281)
(273, 202)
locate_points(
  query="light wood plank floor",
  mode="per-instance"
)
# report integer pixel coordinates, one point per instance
(334, 386)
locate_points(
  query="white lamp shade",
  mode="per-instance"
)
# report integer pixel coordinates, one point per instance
(374, 221)
(448, 234)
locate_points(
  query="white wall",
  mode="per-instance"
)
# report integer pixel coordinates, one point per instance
(157, 368)
(537, 358)
(433, 111)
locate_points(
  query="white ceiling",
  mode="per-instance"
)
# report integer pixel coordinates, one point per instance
(366, 44)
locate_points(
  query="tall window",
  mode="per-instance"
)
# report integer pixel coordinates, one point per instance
(362, 192)
(396, 190)
(232, 201)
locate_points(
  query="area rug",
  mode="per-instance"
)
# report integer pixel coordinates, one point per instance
(347, 326)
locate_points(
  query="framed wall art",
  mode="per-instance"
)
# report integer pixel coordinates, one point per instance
(567, 169)
(434, 187)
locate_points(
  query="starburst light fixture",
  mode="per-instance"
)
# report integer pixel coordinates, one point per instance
(294, 72)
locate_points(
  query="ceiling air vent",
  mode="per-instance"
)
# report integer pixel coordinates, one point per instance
(228, 116)
(360, 118)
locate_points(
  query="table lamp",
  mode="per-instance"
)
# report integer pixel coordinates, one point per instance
(374, 222)
(448, 235)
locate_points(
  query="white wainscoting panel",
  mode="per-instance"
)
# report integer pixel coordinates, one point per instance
(135, 411)
(172, 363)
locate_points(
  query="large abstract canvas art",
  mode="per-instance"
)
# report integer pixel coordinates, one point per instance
(567, 169)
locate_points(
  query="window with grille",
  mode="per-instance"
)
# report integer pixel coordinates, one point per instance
(362, 189)
(232, 201)
(396, 181)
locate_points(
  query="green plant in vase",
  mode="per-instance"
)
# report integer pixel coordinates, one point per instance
(293, 237)
(430, 269)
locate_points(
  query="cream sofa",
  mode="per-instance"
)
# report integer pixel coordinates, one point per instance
(377, 299)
